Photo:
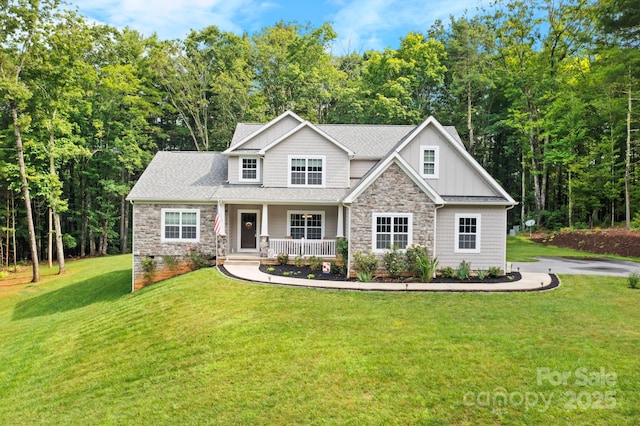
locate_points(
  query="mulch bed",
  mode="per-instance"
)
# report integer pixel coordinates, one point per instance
(620, 242)
(303, 272)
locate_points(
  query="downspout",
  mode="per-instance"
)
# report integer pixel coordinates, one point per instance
(133, 247)
(348, 237)
(505, 243)
(435, 228)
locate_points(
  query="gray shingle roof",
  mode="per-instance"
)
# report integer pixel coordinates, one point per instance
(367, 141)
(183, 176)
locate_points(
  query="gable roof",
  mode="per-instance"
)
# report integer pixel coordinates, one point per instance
(262, 129)
(365, 141)
(181, 176)
(381, 167)
(306, 124)
(460, 150)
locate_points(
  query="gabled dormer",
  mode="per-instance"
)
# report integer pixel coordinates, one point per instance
(288, 152)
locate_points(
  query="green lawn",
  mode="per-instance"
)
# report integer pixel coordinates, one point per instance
(202, 349)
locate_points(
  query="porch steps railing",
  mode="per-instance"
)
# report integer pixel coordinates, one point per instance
(305, 248)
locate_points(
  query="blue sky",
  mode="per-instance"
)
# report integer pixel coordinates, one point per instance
(361, 24)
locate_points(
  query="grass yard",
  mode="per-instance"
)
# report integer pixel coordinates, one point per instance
(202, 349)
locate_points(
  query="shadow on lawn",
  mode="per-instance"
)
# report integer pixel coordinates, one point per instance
(104, 288)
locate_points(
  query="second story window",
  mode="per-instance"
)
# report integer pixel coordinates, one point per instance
(306, 171)
(429, 157)
(249, 170)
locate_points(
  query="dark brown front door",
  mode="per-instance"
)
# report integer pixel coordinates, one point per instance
(248, 223)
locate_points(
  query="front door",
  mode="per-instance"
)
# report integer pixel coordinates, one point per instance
(248, 231)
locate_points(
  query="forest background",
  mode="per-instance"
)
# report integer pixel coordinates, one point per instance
(543, 93)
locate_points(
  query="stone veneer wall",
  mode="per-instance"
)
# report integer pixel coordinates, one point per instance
(147, 239)
(392, 192)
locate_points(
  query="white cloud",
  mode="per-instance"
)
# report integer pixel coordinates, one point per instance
(172, 18)
(359, 23)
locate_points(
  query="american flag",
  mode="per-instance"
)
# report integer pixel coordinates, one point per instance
(217, 227)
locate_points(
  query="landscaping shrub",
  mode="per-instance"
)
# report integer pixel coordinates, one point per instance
(315, 263)
(342, 247)
(149, 267)
(170, 262)
(365, 262)
(364, 277)
(482, 274)
(298, 261)
(394, 261)
(447, 272)
(634, 280)
(420, 263)
(198, 260)
(494, 272)
(282, 258)
(464, 270)
(337, 268)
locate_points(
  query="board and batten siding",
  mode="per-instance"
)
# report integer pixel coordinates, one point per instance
(286, 124)
(456, 176)
(304, 143)
(493, 237)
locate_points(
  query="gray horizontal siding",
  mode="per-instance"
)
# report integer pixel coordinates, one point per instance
(306, 142)
(493, 237)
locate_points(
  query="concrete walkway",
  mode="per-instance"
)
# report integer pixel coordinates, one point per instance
(248, 271)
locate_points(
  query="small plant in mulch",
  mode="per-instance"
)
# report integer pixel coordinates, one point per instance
(494, 272)
(395, 262)
(315, 263)
(366, 262)
(464, 270)
(364, 277)
(283, 258)
(482, 274)
(311, 276)
(447, 272)
(271, 269)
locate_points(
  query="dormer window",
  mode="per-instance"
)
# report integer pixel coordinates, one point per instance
(306, 171)
(249, 169)
(429, 160)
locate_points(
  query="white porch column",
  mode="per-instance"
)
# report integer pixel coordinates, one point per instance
(340, 231)
(264, 232)
(223, 218)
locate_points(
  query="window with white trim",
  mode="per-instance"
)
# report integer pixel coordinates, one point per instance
(467, 233)
(181, 225)
(306, 171)
(391, 229)
(307, 225)
(429, 157)
(249, 169)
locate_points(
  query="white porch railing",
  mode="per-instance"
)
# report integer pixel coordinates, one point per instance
(305, 248)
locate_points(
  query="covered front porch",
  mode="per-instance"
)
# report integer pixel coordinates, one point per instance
(267, 230)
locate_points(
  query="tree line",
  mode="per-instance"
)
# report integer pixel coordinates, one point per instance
(543, 93)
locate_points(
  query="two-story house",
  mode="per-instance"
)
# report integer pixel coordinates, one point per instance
(290, 186)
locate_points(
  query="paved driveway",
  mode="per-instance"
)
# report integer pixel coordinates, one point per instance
(595, 266)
